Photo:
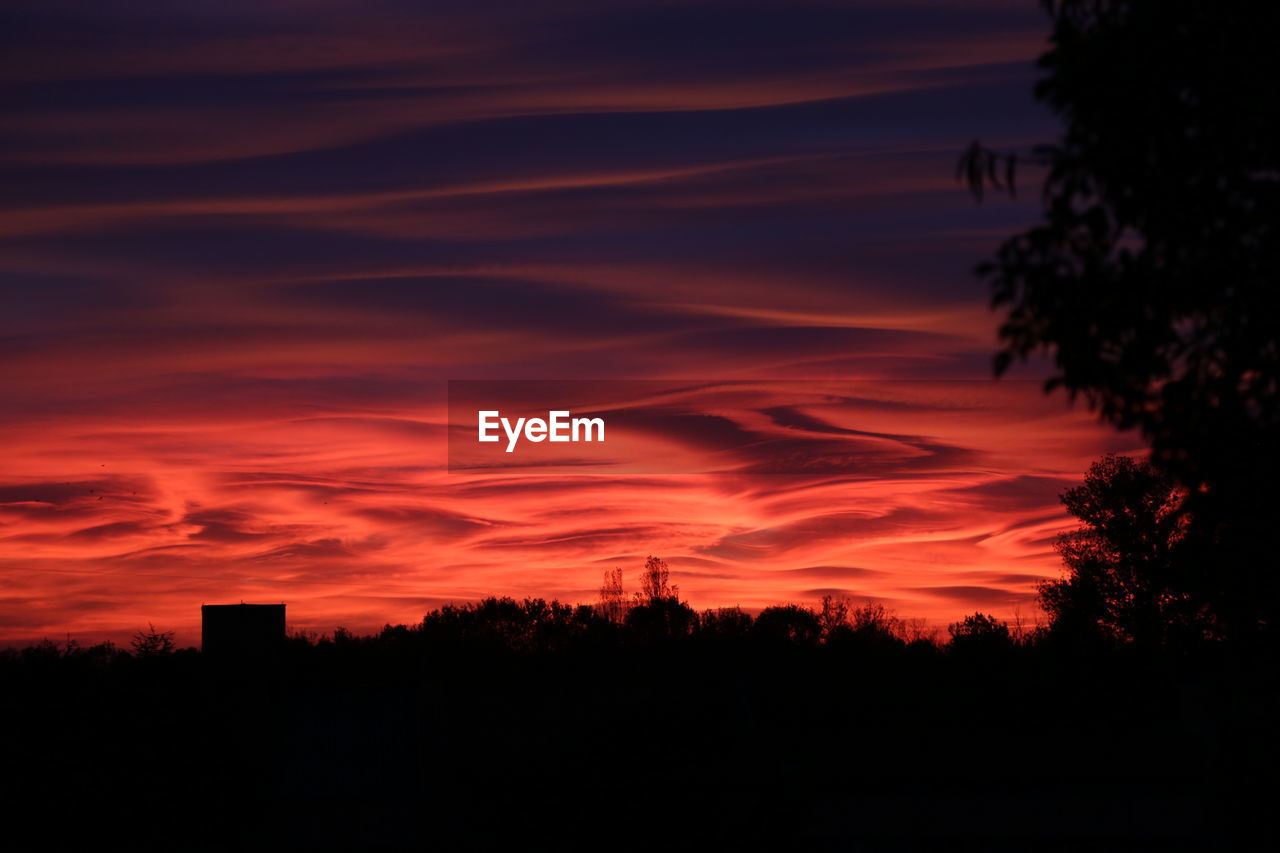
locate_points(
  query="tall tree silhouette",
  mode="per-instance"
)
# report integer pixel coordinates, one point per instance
(613, 602)
(658, 611)
(1151, 280)
(655, 582)
(1124, 576)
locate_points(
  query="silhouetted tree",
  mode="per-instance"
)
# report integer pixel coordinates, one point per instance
(152, 643)
(874, 623)
(833, 617)
(613, 602)
(788, 623)
(1151, 280)
(662, 618)
(502, 623)
(658, 610)
(918, 631)
(655, 582)
(725, 623)
(1124, 576)
(980, 632)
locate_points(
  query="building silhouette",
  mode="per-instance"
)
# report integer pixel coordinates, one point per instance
(241, 630)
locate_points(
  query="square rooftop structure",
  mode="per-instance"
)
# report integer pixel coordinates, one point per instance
(241, 630)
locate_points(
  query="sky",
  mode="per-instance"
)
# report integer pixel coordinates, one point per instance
(244, 246)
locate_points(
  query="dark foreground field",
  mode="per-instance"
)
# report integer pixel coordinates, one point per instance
(608, 737)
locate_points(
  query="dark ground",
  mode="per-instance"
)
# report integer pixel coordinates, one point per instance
(412, 742)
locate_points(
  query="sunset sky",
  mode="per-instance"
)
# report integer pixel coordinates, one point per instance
(244, 246)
